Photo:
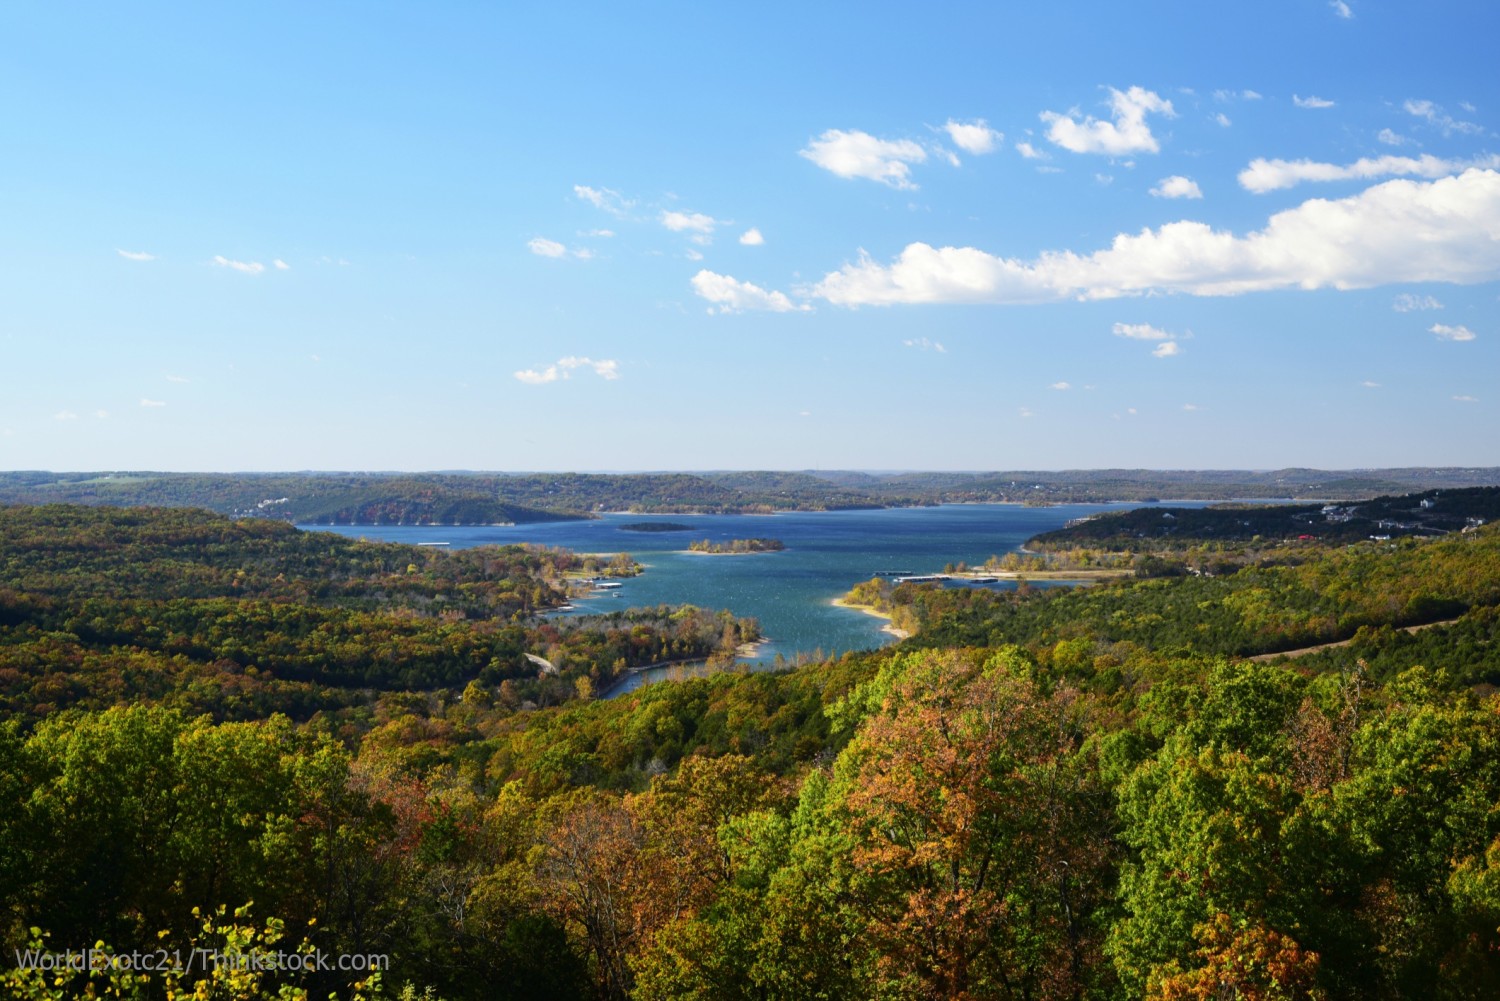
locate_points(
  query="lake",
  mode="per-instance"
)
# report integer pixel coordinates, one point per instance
(789, 592)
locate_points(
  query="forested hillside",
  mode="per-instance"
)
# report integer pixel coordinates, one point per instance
(1050, 794)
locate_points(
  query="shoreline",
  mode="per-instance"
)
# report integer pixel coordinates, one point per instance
(900, 634)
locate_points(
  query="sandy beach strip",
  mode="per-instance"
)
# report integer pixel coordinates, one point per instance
(900, 634)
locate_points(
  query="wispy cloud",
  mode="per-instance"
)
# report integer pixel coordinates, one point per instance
(1434, 115)
(244, 267)
(1272, 175)
(604, 199)
(854, 154)
(1125, 132)
(1406, 302)
(1166, 349)
(1030, 152)
(729, 295)
(1141, 332)
(1177, 186)
(1222, 119)
(543, 247)
(1443, 332)
(152, 403)
(1369, 384)
(563, 368)
(689, 222)
(1342, 9)
(135, 255)
(923, 344)
(1466, 399)
(752, 238)
(973, 137)
(1311, 102)
(1391, 138)
(65, 415)
(1397, 231)
(1061, 385)
(1191, 406)
(281, 265)
(177, 378)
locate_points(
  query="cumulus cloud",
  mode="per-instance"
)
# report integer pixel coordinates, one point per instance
(689, 222)
(1030, 152)
(1447, 333)
(1397, 231)
(752, 238)
(543, 247)
(1434, 115)
(1125, 132)
(281, 265)
(564, 367)
(923, 344)
(1391, 138)
(604, 199)
(1406, 302)
(973, 137)
(135, 255)
(859, 154)
(1272, 175)
(1061, 385)
(1166, 349)
(152, 403)
(1311, 102)
(245, 267)
(1177, 186)
(731, 296)
(1141, 332)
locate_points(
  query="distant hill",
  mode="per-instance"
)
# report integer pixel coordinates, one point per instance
(487, 498)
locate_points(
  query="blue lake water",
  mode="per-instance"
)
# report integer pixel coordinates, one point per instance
(789, 592)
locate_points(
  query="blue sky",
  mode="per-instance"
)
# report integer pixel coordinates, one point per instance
(686, 236)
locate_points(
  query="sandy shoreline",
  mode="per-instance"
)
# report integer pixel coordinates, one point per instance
(900, 634)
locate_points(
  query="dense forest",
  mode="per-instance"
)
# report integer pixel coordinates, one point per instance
(494, 498)
(1051, 793)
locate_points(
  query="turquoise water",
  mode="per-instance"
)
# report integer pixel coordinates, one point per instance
(789, 592)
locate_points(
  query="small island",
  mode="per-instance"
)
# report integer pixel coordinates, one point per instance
(736, 547)
(655, 526)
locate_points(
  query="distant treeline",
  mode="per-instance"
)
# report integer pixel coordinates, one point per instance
(488, 498)
(737, 546)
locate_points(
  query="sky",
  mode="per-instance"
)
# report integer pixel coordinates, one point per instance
(440, 235)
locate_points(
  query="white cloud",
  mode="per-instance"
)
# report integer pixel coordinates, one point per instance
(1447, 333)
(1025, 412)
(177, 378)
(1390, 138)
(1341, 9)
(65, 415)
(693, 255)
(1406, 302)
(1223, 119)
(1166, 349)
(563, 369)
(1398, 231)
(601, 233)
(1061, 385)
(1466, 399)
(135, 255)
(102, 414)
(1104, 179)
(1444, 122)
(1141, 332)
(281, 265)
(1272, 175)
(1126, 133)
(731, 296)
(1030, 152)
(543, 247)
(1250, 95)
(1311, 102)
(1177, 186)
(583, 253)
(152, 403)
(973, 137)
(1368, 384)
(1191, 406)
(924, 344)
(859, 154)
(752, 238)
(605, 199)
(246, 267)
(688, 222)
